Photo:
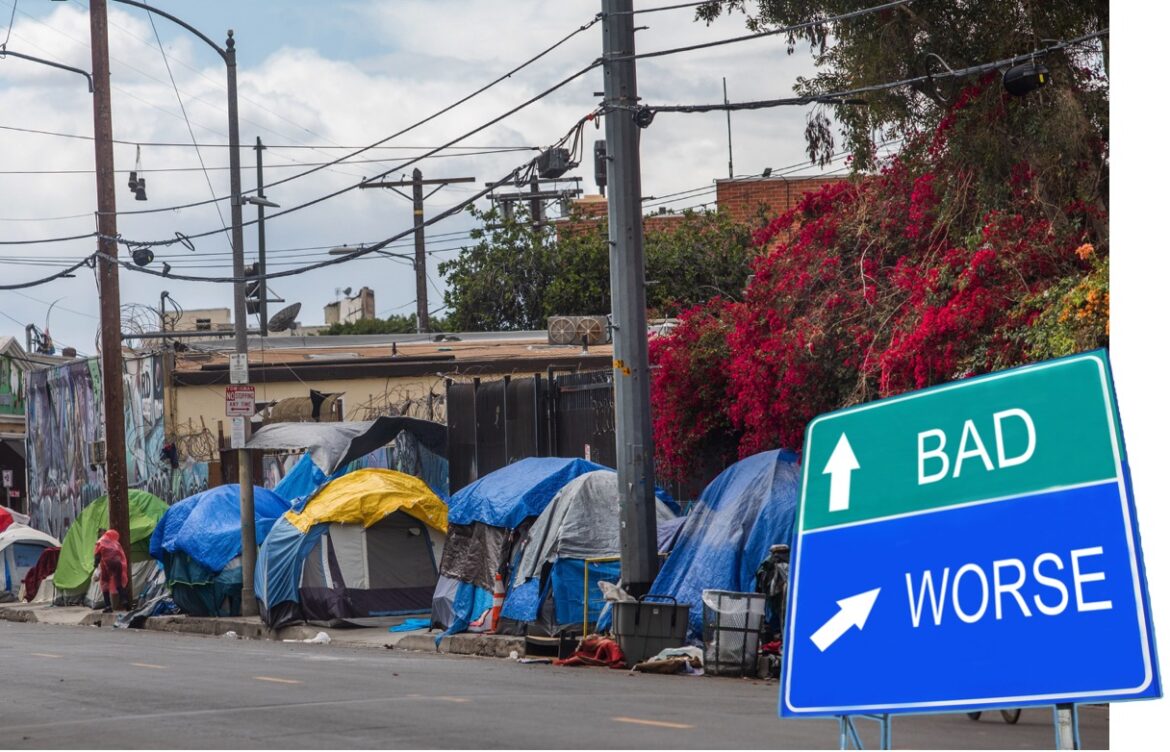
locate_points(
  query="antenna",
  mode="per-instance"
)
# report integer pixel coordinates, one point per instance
(284, 318)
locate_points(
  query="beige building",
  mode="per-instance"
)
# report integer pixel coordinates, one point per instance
(359, 377)
(351, 308)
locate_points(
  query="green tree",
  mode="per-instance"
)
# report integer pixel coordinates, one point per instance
(516, 277)
(1063, 124)
(499, 283)
(394, 324)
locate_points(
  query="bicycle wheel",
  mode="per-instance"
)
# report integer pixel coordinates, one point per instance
(1010, 716)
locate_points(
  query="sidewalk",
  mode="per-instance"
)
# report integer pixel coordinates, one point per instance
(251, 627)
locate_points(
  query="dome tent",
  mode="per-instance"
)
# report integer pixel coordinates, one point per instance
(740, 515)
(198, 543)
(580, 524)
(356, 550)
(20, 548)
(76, 562)
(485, 517)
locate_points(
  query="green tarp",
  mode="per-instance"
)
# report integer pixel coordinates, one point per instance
(75, 566)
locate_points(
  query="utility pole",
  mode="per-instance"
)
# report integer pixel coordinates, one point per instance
(420, 245)
(248, 605)
(627, 279)
(730, 161)
(108, 293)
(260, 244)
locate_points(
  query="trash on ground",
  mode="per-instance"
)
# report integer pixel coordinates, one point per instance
(595, 650)
(230, 635)
(321, 638)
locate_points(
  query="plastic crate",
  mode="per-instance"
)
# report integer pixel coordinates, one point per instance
(731, 632)
(646, 627)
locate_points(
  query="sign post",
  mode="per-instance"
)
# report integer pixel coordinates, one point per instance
(969, 546)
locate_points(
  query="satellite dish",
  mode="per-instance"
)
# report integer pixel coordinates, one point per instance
(348, 291)
(284, 318)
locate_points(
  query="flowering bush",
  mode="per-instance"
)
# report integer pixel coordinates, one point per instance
(933, 269)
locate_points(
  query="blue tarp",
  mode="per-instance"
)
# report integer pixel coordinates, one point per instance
(301, 481)
(279, 563)
(750, 507)
(506, 497)
(206, 526)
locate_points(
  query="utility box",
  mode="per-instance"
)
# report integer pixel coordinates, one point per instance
(646, 627)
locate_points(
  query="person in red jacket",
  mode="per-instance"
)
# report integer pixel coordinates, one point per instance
(113, 571)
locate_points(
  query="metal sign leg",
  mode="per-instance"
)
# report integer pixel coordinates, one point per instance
(1068, 726)
(851, 739)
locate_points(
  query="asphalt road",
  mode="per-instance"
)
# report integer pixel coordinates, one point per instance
(75, 687)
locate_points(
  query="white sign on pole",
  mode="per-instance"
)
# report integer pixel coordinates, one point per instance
(7, 478)
(238, 432)
(238, 368)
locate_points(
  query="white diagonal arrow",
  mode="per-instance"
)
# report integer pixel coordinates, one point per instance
(854, 612)
(839, 468)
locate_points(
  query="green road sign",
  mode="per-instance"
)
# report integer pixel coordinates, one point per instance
(962, 442)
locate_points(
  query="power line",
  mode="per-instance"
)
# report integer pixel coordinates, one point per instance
(405, 130)
(550, 90)
(220, 168)
(842, 97)
(187, 120)
(44, 280)
(762, 34)
(216, 145)
(515, 175)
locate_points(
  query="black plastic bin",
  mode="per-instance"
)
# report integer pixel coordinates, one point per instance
(646, 627)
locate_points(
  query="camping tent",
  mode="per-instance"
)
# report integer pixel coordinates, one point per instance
(356, 550)
(76, 563)
(580, 524)
(198, 543)
(748, 508)
(485, 517)
(20, 548)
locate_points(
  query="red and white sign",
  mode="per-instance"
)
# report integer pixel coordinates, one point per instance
(240, 399)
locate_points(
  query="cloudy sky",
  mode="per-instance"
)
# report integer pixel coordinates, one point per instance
(312, 80)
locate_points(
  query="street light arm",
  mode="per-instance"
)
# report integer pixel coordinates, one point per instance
(88, 78)
(151, 9)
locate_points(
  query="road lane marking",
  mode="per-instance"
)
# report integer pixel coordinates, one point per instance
(660, 724)
(45, 655)
(278, 681)
(444, 698)
(147, 665)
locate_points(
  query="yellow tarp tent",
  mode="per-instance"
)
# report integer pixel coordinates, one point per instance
(367, 496)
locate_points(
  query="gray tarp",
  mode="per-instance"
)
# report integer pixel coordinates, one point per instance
(583, 521)
(474, 553)
(333, 445)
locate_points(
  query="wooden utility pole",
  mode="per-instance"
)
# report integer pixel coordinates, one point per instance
(107, 267)
(420, 245)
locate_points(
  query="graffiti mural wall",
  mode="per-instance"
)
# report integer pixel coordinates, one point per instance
(63, 412)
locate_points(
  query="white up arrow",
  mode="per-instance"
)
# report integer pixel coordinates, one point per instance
(854, 611)
(840, 469)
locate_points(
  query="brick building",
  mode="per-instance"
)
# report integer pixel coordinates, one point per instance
(745, 199)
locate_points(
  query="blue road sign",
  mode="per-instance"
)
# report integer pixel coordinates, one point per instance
(945, 560)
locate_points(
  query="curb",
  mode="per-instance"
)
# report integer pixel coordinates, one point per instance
(489, 646)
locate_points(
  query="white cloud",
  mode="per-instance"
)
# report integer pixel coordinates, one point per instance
(433, 54)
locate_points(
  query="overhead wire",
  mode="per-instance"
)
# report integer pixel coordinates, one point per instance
(187, 120)
(517, 174)
(417, 124)
(840, 97)
(762, 34)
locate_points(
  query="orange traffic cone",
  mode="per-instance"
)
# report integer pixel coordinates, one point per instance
(497, 602)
